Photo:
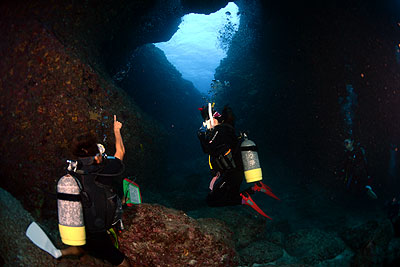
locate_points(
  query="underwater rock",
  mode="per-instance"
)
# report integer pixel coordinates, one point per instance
(159, 236)
(15, 247)
(358, 237)
(393, 251)
(312, 246)
(218, 228)
(245, 225)
(277, 230)
(17, 250)
(344, 259)
(260, 252)
(369, 240)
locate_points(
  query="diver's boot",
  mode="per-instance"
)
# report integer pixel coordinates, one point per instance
(371, 194)
(260, 186)
(247, 200)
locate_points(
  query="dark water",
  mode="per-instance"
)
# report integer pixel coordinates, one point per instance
(303, 78)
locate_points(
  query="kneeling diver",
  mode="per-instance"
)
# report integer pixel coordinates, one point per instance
(218, 139)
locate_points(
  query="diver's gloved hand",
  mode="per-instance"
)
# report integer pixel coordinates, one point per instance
(371, 194)
(203, 129)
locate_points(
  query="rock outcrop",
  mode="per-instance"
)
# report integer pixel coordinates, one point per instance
(159, 236)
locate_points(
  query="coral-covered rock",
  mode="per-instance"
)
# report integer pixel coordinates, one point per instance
(260, 252)
(313, 246)
(159, 236)
(245, 224)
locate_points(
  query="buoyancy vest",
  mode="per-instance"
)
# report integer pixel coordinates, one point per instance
(100, 202)
(222, 144)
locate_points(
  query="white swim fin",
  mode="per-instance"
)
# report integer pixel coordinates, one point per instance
(40, 239)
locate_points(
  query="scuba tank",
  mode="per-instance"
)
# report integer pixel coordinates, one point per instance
(251, 163)
(70, 212)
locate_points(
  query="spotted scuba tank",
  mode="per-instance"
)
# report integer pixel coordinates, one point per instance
(70, 212)
(251, 163)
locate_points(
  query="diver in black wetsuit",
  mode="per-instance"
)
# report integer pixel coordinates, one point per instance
(221, 143)
(356, 176)
(218, 139)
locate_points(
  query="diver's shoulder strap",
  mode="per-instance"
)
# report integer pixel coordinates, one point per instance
(69, 197)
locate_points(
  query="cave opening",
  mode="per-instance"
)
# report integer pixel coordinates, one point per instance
(200, 43)
(170, 80)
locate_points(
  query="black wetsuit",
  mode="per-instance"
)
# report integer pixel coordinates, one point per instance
(217, 142)
(355, 169)
(98, 242)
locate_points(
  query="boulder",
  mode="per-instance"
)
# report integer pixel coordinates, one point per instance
(312, 246)
(160, 236)
(260, 252)
(369, 241)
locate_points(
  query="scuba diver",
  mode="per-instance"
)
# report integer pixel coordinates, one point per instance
(356, 176)
(218, 139)
(102, 210)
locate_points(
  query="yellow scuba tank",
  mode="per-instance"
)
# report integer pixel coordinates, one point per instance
(70, 213)
(251, 163)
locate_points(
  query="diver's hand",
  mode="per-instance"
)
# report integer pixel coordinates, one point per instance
(203, 128)
(117, 124)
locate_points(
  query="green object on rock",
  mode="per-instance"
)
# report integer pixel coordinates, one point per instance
(131, 192)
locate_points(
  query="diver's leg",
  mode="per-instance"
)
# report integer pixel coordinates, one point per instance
(76, 251)
(226, 190)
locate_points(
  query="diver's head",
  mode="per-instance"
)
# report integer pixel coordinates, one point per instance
(228, 116)
(348, 144)
(86, 148)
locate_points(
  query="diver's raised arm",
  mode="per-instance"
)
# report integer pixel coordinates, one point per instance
(119, 144)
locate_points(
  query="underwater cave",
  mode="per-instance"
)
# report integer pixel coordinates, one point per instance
(301, 79)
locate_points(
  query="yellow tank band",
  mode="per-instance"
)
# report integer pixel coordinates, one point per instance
(73, 236)
(253, 175)
(209, 162)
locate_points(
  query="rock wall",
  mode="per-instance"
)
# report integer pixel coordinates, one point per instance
(159, 89)
(55, 82)
(48, 95)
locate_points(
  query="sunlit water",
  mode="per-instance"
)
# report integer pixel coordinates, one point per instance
(196, 49)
